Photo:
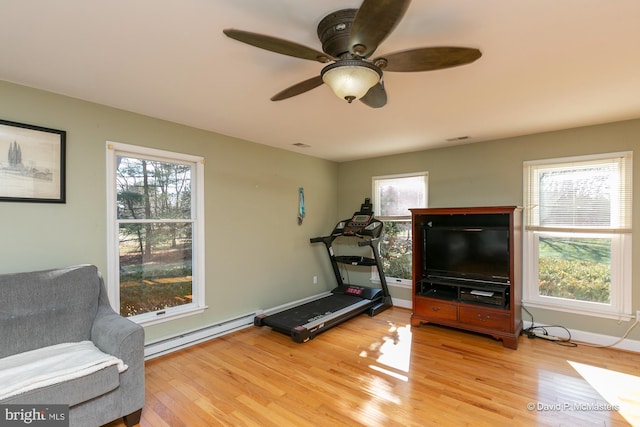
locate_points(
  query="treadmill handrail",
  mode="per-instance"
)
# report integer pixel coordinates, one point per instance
(367, 242)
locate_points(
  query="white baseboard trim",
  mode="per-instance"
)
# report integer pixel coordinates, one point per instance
(177, 342)
(595, 339)
(289, 305)
(403, 303)
(186, 339)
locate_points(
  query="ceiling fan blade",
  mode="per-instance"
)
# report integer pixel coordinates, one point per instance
(299, 88)
(429, 58)
(376, 97)
(277, 45)
(373, 23)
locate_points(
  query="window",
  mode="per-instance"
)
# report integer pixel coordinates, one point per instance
(393, 196)
(155, 233)
(578, 234)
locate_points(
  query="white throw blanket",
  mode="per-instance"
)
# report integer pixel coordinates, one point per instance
(46, 366)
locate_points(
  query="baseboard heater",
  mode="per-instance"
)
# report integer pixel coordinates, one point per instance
(187, 339)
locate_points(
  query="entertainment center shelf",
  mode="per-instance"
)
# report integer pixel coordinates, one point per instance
(467, 269)
(480, 293)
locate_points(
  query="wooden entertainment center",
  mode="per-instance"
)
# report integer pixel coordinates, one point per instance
(467, 265)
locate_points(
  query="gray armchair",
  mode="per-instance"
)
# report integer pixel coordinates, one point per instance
(45, 308)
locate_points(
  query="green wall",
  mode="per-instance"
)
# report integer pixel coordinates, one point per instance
(490, 174)
(257, 256)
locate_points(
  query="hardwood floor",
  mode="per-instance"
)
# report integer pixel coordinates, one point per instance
(381, 372)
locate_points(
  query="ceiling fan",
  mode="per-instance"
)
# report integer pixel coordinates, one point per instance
(349, 37)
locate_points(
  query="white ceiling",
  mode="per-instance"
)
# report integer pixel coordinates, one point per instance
(546, 65)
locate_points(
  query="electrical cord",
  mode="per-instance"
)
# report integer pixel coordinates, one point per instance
(542, 332)
(568, 342)
(624, 336)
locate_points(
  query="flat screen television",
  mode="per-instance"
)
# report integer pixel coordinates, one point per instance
(475, 254)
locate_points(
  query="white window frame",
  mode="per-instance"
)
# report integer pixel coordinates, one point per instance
(619, 307)
(375, 180)
(115, 149)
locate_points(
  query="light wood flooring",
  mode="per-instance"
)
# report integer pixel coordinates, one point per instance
(378, 371)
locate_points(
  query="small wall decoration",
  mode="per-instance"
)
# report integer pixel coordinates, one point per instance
(301, 212)
(32, 163)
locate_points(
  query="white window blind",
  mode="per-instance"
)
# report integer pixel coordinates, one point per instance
(586, 194)
(395, 194)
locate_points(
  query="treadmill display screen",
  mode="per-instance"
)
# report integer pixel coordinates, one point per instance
(353, 291)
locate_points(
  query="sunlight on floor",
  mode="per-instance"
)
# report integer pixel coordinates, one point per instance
(392, 356)
(393, 352)
(621, 391)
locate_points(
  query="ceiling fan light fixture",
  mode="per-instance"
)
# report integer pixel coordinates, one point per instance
(351, 79)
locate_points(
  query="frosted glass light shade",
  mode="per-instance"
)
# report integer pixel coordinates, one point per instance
(351, 79)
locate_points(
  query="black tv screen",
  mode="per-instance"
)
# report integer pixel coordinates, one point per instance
(467, 253)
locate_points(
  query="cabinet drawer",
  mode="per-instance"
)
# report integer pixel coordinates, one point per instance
(490, 319)
(435, 309)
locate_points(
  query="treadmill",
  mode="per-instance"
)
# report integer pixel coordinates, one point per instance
(305, 321)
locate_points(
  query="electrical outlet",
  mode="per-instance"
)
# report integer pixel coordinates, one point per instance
(638, 315)
(315, 280)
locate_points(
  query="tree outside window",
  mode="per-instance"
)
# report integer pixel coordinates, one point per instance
(156, 224)
(394, 195)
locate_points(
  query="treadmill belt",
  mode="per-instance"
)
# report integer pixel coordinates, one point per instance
(310, 311)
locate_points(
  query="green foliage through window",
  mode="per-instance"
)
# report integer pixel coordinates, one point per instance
(395, 249)
(155, 235)
(575, 268)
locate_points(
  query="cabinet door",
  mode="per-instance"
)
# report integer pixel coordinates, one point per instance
(485, 318)
(435, 309)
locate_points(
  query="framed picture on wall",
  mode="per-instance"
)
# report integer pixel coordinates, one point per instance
(32, 163)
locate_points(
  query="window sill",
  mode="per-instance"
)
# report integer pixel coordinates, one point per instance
(581, 311)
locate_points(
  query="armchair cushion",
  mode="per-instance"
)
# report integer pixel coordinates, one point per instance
(52, 365)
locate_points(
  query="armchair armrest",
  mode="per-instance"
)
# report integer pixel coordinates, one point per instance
(120, 337)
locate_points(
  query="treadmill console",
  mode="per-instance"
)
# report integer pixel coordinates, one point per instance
(362, 223)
